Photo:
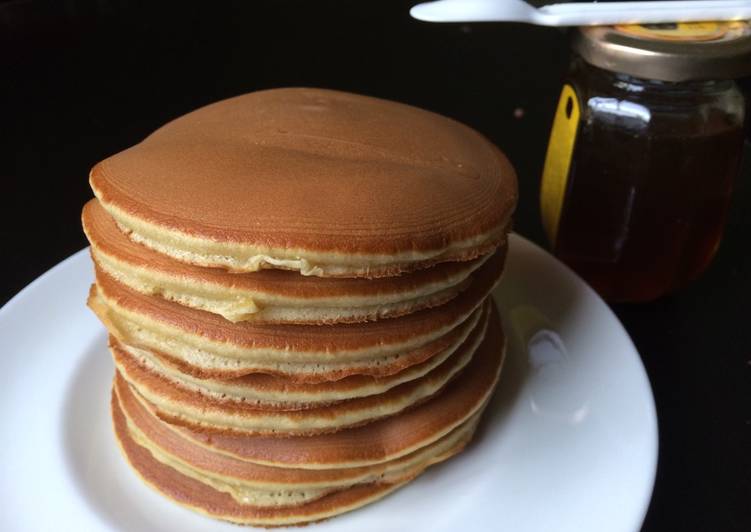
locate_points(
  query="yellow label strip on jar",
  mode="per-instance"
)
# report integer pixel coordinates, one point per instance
(558, 160)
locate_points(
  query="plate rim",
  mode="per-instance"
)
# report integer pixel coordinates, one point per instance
(653, 422)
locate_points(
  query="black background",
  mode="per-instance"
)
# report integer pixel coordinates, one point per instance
(84, 79)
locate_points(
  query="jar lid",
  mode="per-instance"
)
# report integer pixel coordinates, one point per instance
(679, 51)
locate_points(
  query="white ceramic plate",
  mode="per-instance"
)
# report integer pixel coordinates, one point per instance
(569, 442)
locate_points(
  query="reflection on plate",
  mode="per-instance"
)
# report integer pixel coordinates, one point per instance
(569, 442)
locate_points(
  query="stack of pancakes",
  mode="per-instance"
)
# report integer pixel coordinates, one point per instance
(295, 283)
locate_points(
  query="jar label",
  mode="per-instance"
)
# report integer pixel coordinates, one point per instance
(558, 160)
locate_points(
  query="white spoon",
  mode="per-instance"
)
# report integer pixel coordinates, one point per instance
(580, 13)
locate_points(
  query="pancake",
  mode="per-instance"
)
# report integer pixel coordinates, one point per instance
(261, 485)
(210, 346)
(274, 392)
(316, 181)
(202, 498)
(200, 411)
(377, 442)
(269, 296)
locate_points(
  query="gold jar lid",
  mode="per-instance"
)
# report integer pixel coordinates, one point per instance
(674, 52)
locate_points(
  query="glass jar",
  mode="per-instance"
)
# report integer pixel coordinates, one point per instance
(644, 150)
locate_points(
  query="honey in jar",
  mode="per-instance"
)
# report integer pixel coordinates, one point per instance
(645, 146)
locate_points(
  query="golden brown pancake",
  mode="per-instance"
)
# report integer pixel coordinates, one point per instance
(381, 441)
(204, 499)
(200, 411)
(209, 345)
(262, 485)
(321, 182)
(275, 392)
(269, 296)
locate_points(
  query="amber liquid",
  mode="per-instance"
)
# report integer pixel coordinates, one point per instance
(643, 216)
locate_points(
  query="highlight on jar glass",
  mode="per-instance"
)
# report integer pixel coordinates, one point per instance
(645, 146)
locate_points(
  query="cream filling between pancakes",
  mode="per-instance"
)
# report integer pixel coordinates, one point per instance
(246, 257)
(238, 305)
(341, 501)
(137, 329)
(324, 393)
(277, 494)
(211, 416)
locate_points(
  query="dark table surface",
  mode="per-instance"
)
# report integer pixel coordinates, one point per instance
(84, 79)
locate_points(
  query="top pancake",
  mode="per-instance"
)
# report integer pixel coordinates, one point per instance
(322, 182)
